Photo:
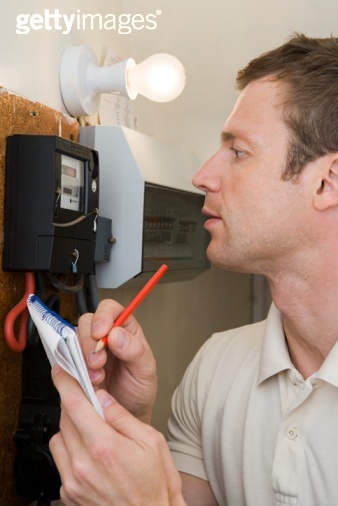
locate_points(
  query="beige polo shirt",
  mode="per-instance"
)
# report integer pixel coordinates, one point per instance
(245, 420)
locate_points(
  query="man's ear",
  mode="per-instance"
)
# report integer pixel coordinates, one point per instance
(326, 194)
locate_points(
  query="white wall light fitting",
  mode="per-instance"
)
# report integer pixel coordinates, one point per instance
(161, 78)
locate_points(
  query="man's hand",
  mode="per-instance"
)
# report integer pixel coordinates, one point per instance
(127, 369)
(117, 461)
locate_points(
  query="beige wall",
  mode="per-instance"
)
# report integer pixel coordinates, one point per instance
(178, 317)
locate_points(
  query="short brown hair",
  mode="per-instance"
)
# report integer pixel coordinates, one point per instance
(309, 68)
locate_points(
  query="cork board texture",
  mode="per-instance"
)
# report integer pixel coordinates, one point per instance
(18, 116)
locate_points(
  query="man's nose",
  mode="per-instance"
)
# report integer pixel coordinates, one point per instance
(207, 178)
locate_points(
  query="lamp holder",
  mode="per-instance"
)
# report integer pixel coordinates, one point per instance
(82, 80)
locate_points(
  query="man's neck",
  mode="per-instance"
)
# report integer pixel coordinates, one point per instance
(310, 320)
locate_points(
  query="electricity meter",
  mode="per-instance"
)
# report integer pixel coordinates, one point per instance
(51, 205)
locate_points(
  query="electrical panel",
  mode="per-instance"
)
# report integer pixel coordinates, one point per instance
(146, 191)
(173, 232)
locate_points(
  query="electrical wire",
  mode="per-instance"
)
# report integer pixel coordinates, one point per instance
(81, 301)
(78, 220)
(62, 287)
(93, 298)
(87, 297)
(20, 309)
(32, 335)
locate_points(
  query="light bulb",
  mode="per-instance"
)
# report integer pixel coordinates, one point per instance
(161, 78)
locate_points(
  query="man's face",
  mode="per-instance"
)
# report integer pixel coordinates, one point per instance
(255, 218)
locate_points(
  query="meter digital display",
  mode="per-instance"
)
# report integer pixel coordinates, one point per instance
(72, 183)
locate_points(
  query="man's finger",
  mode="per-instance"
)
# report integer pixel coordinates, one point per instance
(104, 317)
(76, 404)
(120, 419)
(133, 351)
(60, 455)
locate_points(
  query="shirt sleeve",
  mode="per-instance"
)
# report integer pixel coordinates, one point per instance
(185, 423)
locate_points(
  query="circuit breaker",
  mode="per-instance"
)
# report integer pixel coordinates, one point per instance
(146, 191)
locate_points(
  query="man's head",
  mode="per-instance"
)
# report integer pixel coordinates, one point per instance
(308, 68)
(264, 213)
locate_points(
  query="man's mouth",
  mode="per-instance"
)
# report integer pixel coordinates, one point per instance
(210, 217)
(209, 214)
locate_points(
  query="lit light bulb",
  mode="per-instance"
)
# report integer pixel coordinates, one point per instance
(161, 78)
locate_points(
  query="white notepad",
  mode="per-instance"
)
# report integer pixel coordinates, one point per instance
(61, 344)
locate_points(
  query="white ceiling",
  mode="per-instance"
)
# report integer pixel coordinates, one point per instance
(214, 39)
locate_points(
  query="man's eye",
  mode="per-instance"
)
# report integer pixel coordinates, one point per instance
(238, 152)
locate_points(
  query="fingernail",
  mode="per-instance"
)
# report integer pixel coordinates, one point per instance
(104, 398)
(97, 325)
(120, 338)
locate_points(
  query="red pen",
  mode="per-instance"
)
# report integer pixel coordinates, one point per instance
(134, 303)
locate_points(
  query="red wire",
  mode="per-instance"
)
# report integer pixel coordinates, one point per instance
(20, 309)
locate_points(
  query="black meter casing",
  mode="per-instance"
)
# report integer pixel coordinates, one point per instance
(51, 205)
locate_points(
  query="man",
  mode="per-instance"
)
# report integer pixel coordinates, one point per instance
(255, 418)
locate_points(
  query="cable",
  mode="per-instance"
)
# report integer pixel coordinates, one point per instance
(62, 287)
(53, 302)
(93, 299)
(19, 344)
(81, 302)
(78, 220)
(32, 336)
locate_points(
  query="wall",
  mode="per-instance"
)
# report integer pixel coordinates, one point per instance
(19, 116)
(30, 66)
(30, 62)
(214, 39)
(176, 318)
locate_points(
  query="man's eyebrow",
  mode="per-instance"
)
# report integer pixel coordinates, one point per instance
(227, 136)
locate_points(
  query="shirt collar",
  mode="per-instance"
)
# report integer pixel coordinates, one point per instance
(275, 354)
(329, 370)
